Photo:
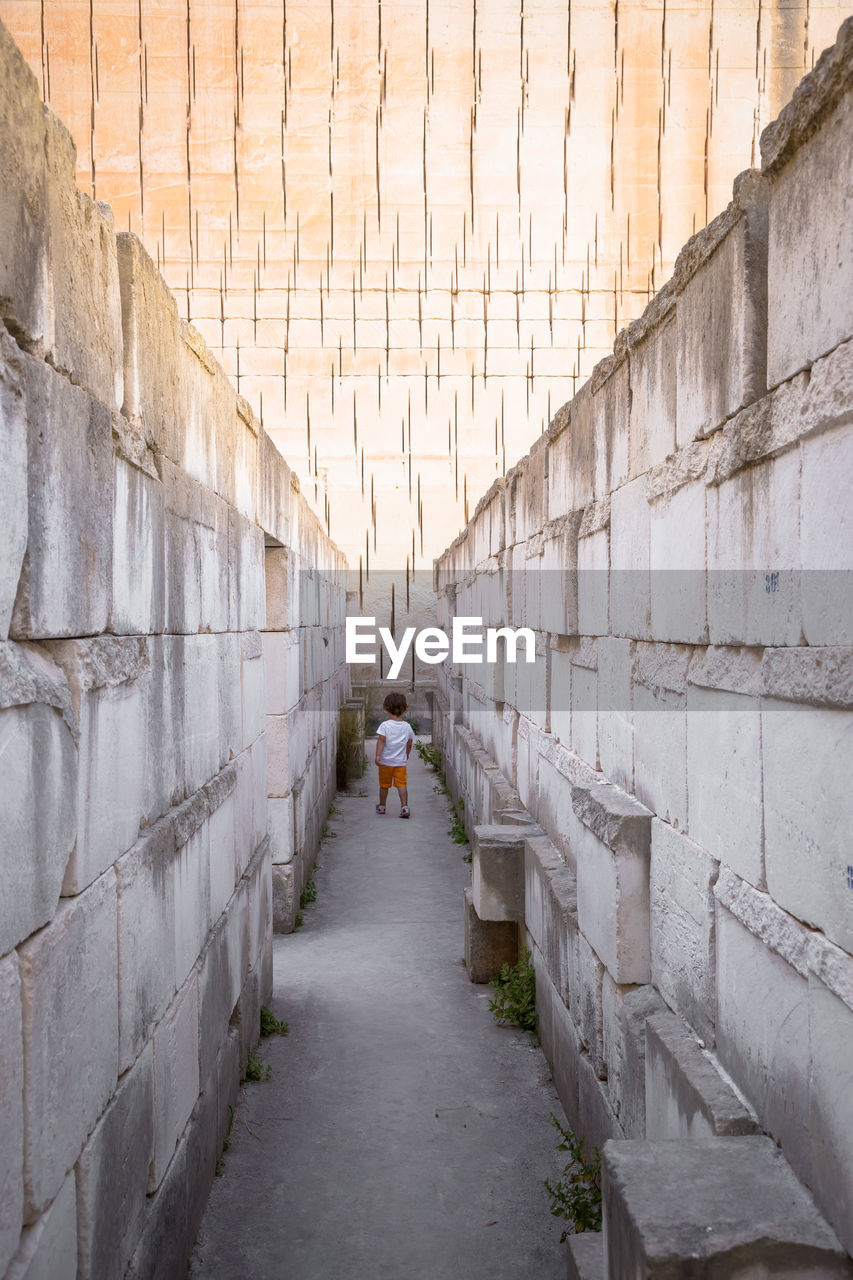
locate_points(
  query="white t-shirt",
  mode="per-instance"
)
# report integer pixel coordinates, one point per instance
(396, 734)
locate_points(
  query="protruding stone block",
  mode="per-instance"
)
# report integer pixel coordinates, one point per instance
(11, 1109)
(285, 899)
(176, 1078)
(613, 878)
(108, 680)
(550, 907)
(489, 944)
(38, 787)
(585, 1256)
(112, 1176)
(69, 992)
(498, 871)
(724, 1207)
(48, 1249)
(686, 1096)
(625, 1012)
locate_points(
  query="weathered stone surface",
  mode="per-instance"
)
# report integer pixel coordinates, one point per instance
(826, 528)
(724, 779)
(285, 899)
(192, 901)
(660, 752)
(146, 937)
(560, 1042)
(725, 1207)
(677, 563)
(764, 1044)
(811, 241)
(585, 977)
(831, 1024)
(550, 907)
(259, 880)
(13, 450)
(165, 768)
(139, 583)
(808, 808)
(594, 583)
(222, 972)
(64, 588)
(681, 892)
(489, 944)
(754, 583)
(630, 551)
(69, 992)
(498, 872)
(585, 1256)
(222, 839)
(616, 710)
(613, 816)
(686, 1096)
(37, 789)
(11, 1109)
(820, 676)
(176, 1077)
(112, 1176)
(613, 887)
(200, 728)
(108, 680)
(721, 322)
(653, 396)
(48, 1249)
(625, 1010)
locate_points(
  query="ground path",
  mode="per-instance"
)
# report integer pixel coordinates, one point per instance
(403, 1133)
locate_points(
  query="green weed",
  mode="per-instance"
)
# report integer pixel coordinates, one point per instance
(308, 894)
(299, 921)
(514, 1001)
(256, 1070)
(576, 1196)
(270, 1024)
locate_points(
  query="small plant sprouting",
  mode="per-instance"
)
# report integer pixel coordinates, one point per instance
(333, 811)
(514, 1001)
(270, 1024)
(256, 1070)
(299, 921)
(457, 827)
(308, 894)
(226, 1145)
(576, 1196)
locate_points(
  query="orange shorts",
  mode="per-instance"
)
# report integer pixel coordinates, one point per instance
(392, 775)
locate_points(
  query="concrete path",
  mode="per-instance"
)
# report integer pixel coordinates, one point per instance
(403, 1133)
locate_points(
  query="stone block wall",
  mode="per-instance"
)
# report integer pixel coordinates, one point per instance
(681, 543)
(146, 515)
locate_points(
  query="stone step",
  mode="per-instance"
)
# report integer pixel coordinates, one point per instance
(712, 1207)
(585, 1254)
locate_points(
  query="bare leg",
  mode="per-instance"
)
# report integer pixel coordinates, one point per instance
(403, 793)
(383, 794)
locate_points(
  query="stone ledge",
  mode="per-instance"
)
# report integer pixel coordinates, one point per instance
(686, 1096)
(585, 1256)
(615, 817)
(812, 100)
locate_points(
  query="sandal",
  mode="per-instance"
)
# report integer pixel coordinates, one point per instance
(404, 812)
(380, 808)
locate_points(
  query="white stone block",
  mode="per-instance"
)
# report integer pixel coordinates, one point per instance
(260, 822)
(594, 584)
(613, 879)
(624, 1013)
(826, 525)
(11, 1110)
(112, 1176)
(754, 555)
(176, 1081)
(763, 1036)
(830, 1119)
(230, 697)
(585, 714)
(13, 449)
(260, 906)
(724, 779)
(108, 678)
(223, 837)
(686, 1094)
(653, 398)
(586, 975)
(139, 584)
(616, 710)
(808, 814)
(550, 907)
(69, 991)
(192, 901)
(560, 697)
(38, 788)
(279, 754)
(223, 970)
(498, 872)
(660, 752)
(281, 828)
(682, 927)
(48, 1249)
(246, 579)
(630, 561)
(201, 728)
(66, 578)
(146, 933)
(810, 286)
(677, 559)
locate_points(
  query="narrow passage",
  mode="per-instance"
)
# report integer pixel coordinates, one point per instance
(402, 1132)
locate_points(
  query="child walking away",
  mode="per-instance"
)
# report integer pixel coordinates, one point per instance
(393, 744)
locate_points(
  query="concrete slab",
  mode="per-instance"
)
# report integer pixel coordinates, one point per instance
(403, 1132)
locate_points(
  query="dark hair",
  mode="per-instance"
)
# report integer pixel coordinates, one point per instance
(395, 704)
